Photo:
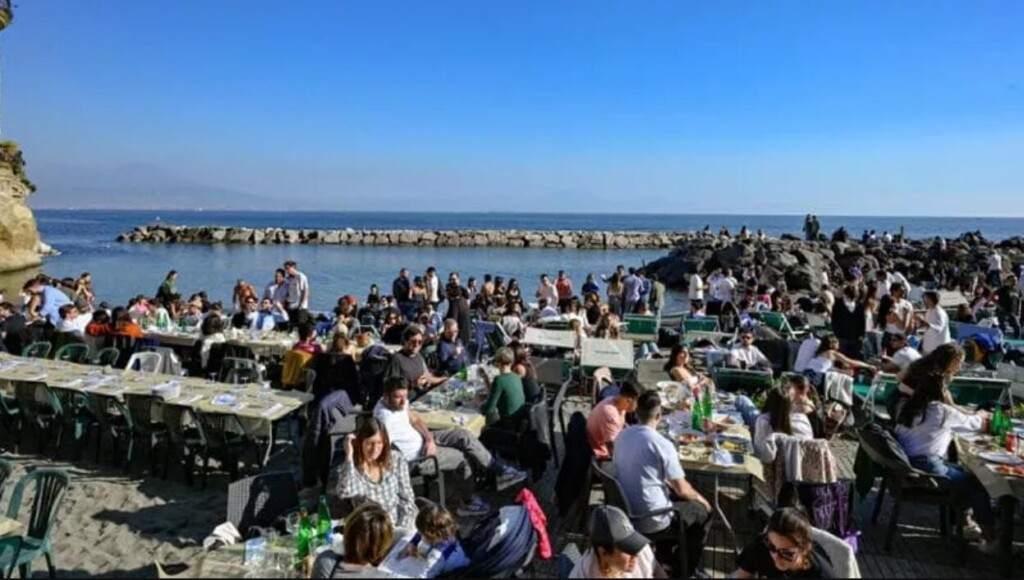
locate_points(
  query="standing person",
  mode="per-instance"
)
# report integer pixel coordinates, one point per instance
(808, 228)
(590, 286)
(652, 478)
(994, 275)
(546, 290)
(277, 291)
(433, 284)
(696, 289)
(657, 297)
(401, 292)
(1008, 305)
(899, 316)
(563, 288)
(452, 354)
(45, 301)
(458, 310)
(614, 292)
(849, 323)
(168, 288)
(298, 292)
(935, 321)
(630, 292)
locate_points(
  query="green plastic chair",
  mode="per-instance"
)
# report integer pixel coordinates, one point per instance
(38, 349)
(107, 357)
(73, 415)
(700, 325)
(50, 487)
(75, 352)
(5, 472)
(10, 549)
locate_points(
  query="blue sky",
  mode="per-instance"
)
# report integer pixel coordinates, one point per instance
(912, 107)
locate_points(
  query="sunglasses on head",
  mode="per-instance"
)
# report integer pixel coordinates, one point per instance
(787, 554)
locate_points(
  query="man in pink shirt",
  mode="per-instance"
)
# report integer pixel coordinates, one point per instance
(608, 418)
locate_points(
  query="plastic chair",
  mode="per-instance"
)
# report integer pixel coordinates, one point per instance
(188, 441)
(72, 412)
(614, 496)
(37, 350)
(10, 418)
(261, 499)
(10, 549)
(107, 357)
(145, 362)
(50, 487)
(75, 352)
(140, 409)
(308, 380)
(224, 437)
(112, 418)
(6, 469)
(41, 417)
(239, 370)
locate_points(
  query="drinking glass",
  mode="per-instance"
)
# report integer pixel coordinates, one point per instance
(291, 523)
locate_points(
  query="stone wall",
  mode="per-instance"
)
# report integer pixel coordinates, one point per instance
(19, 237)
(586, 240)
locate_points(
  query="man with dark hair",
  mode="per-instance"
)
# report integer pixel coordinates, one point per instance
(408, 363)
(12, 323)
(849, 323)
(167, 288)
(652, 478)
(277, 291)
(608, 418)
(401, 290)
(456, 449)
(657, 299)
(297, 302)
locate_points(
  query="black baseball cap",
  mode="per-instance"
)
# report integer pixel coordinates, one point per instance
(609, 526)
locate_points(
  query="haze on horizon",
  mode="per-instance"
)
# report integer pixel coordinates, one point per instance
(866, 108)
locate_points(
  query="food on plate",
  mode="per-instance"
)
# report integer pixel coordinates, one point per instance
(688, 438)
(1017, 470)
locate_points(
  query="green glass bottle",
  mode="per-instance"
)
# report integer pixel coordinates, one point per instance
(304, 536)
(323, 522)
(707, 406)
(996, 426)
(463, 373)
(698, 416)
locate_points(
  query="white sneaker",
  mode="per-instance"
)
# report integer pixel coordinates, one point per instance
(510, 476)
(475, 508)
(988, 547)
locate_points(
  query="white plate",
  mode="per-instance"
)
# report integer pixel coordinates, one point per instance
(1001, 457)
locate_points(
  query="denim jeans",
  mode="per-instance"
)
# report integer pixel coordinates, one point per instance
(966, 488)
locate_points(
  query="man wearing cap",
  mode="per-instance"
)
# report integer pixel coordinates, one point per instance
(652, 478)
(617, 550)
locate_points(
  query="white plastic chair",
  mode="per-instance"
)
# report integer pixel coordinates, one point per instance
(145, 362)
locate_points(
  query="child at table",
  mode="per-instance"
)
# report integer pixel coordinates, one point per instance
(432, 551)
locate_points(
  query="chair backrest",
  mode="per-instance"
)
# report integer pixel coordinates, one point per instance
(881, 446)
(103, 407)
(50, 487)
(107, 357)
(145, 362)
(980, 391)
(217, 428)
(641, 324)
(75, 352)
(65, 401)
(549, 370)
(308, 380)
(174, 419)
(651, 370)
(37, 349)
(700, 325)
(750, 381)
(261, 499)
(25, 392)
(844, 561)
(609, 476)
(141, 407)
(6, 469)
(10, 549)
(293, 364)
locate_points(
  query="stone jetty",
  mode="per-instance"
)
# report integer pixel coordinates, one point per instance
(566, 239)
(800, 263)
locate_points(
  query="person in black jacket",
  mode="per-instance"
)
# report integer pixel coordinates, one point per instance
(458, 310)
(12, 323)
(849, 324)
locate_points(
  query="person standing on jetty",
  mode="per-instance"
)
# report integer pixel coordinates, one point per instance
(401, 292)
(298, 293)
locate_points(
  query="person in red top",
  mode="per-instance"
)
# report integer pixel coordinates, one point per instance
(307, 340)
(125, 326)
(563, 285)
(608, 418)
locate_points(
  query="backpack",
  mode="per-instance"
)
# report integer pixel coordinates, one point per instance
(500, 545)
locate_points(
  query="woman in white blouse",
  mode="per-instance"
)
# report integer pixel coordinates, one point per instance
(935, 323)
(924, 429)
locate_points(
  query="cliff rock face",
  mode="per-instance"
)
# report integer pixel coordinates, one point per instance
(19, 237)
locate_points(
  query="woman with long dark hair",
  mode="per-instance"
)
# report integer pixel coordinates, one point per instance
(371, 472)
(924, 429)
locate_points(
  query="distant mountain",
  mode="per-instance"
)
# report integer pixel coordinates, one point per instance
(133, 186)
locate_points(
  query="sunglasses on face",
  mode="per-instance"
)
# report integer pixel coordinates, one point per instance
(416, 341)
(787, 554)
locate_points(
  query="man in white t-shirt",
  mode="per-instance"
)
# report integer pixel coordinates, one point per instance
(456, 449)
(995, 270)
(902, 354)
(696, 289)
(298, 289)
(807, 349)
(746, 355)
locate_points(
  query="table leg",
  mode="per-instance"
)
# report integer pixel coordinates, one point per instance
(1007, 505)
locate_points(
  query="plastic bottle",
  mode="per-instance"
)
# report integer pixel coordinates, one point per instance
(324, 525)
(304, 536)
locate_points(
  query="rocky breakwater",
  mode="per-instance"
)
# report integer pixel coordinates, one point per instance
(586, 240)
(800, 263)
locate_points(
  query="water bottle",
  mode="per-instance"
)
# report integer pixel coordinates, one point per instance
(324, 526)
